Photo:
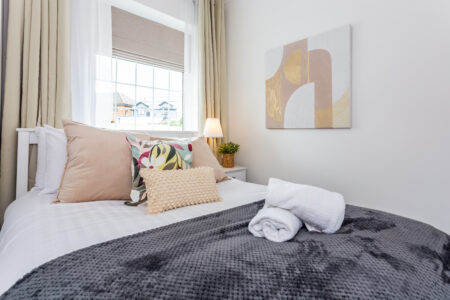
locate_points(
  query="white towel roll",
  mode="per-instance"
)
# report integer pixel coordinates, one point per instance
(319, 209)
(275, 224)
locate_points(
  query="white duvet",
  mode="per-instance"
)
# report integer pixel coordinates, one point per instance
(36, 231)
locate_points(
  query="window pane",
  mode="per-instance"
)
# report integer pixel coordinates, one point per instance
(161, 96)
(144, 108)
(176, 81)
(160, 111)
(144, 95)
(142, 112)
(126, 71)
(174, 120)
(127, 93)
(161, 78)
(143, 123)
(176, 97)
(144, 75)
(124, 106)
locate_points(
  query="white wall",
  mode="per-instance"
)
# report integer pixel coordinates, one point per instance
(397, 155)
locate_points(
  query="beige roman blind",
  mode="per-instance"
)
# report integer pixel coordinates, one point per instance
(139, 39)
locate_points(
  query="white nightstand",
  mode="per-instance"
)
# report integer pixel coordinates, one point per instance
(237, 172)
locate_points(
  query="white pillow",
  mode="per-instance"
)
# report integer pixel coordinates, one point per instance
(55, 158)
(41, 161)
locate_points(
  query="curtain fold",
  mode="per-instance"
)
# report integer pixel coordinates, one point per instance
(91, 60)
(191, 65)
(37, 78)
(212, 73)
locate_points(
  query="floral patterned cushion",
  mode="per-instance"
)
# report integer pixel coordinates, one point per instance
(155, 154)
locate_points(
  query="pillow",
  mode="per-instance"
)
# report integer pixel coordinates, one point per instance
(203, 157)
(176, 188)
(98, 164)
(155, 154)
(50, 167)
(55, 159)
(49, 128)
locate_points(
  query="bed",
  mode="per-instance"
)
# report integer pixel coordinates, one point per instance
(36, 231)
(107, 250)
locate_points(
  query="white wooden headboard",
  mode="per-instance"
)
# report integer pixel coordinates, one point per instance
(28, 136)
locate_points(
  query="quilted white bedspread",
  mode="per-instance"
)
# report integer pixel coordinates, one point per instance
(36, 231)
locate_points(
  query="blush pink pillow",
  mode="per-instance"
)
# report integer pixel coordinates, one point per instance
(98, 164)
(203, 157)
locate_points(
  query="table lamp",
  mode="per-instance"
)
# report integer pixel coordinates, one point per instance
(212, 128)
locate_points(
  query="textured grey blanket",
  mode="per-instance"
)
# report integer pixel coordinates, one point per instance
(374, 255)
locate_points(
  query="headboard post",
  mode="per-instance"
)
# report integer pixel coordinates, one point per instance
(26, 137)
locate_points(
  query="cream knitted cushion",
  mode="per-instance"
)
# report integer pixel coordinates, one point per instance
(176, 188)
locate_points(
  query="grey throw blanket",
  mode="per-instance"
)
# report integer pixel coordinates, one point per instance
(374, 255)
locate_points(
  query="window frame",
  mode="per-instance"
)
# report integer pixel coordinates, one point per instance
(115, 82)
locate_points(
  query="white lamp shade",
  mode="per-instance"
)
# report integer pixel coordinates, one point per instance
(213, 128)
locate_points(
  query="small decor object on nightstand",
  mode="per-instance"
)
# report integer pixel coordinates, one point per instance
(228, 150)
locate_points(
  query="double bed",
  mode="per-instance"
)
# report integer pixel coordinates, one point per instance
(105, 249)
(36, 230)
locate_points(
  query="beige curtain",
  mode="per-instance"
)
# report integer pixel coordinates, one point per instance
(37, 80)
(212, 71)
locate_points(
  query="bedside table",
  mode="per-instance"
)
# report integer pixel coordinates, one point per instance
(237, 172)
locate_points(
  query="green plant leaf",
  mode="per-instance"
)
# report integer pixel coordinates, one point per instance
(228, 148)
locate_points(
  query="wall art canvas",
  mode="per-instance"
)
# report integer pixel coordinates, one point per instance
(308, 82)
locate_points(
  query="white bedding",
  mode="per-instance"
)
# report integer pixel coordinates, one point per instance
(36, 231)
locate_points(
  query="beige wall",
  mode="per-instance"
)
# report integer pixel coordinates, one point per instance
(397, 156)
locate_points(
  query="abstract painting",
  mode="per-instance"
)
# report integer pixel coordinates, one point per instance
(308, 82)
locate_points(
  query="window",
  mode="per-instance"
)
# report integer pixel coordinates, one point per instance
(146, 97)
(142, 87)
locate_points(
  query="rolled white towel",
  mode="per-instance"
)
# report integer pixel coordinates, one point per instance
(319, 209)
(275, 224)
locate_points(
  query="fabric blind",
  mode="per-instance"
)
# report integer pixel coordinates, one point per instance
(140, 39)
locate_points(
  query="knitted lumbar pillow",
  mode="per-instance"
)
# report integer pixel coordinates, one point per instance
(176, 188)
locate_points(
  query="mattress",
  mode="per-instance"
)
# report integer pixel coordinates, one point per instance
(36, 231)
